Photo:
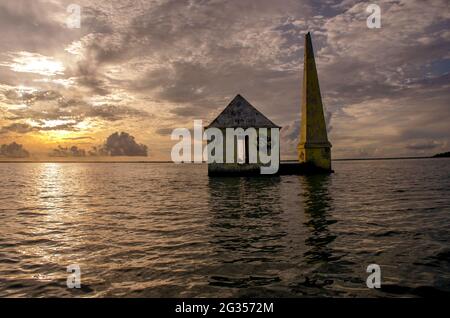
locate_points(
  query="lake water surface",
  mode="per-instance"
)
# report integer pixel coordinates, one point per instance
(165, 230)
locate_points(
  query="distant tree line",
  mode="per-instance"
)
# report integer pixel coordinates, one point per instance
(13, 150)
(442, 155)
(117, 144)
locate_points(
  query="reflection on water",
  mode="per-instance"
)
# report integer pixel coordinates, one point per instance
(163, 230)
(245, 234)
(251, 238)
(317, 206)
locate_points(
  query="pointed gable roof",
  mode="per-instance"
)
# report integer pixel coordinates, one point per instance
(240, 113)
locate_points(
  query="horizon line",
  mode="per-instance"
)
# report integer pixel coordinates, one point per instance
(168, 161)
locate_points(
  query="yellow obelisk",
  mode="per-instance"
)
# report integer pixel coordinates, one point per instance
(314, 146)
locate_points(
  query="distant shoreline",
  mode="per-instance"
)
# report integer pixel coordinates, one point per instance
(390, 158)
(160, 161)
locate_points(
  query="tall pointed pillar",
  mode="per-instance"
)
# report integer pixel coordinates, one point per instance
(314, 146)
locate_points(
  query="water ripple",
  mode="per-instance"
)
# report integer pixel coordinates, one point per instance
(163, 230)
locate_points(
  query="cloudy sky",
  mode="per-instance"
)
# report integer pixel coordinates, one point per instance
(147, 67)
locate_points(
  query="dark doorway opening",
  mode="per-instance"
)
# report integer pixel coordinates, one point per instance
(247, 159)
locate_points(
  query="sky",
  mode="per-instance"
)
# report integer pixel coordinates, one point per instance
(148, 67)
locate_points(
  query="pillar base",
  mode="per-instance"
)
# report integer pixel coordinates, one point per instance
(318, 155)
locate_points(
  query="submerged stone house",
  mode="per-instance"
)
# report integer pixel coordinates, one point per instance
(241, 114)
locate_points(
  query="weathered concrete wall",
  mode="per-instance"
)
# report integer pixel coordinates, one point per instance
(255, 143)
(240, 114)
(320, 157)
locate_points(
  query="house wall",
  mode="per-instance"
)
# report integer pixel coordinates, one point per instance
(236, 168)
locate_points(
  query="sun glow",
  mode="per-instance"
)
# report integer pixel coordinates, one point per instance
(51, 123)
(26, 62)
(60, 129)
(54, 129)
(59, 135)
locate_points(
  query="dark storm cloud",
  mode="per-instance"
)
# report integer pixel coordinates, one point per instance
(123, 144)
(13, 150)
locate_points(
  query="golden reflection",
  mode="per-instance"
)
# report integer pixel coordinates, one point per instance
(56, 237)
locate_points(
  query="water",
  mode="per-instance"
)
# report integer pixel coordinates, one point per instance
(162, 230)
